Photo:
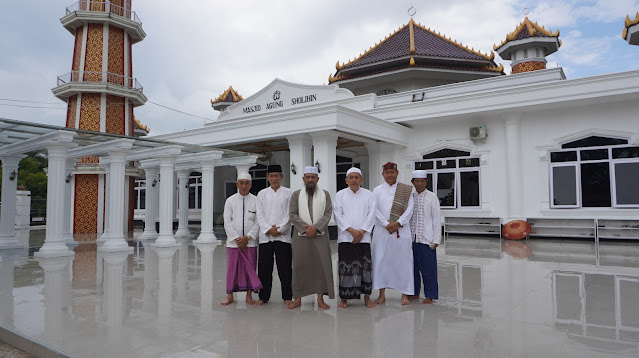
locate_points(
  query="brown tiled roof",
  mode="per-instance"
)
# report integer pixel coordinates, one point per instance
(424, 47)
(230, 95)
(628, 23)
(525, 30)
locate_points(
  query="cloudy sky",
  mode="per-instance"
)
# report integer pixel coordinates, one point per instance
(195, 49)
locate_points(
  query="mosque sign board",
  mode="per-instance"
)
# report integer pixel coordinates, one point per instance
(281, 95)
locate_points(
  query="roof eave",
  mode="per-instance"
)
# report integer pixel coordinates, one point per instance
(551, 44)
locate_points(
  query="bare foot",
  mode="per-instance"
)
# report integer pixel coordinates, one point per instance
(249, 298)
(368, 302)
(342, 304)
(228, 300)
(259, 303)
(294, 304)
(413, 297)
(288, 302)
(427, 301)
(382, 297)
(320, 302)
(405, 300)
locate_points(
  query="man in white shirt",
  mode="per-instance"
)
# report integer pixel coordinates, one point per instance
(354, 212)
(392, 242)
(426, 228)
(241, 226)
(275, 236)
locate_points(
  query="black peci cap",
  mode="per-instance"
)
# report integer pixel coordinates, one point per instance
(274, 168)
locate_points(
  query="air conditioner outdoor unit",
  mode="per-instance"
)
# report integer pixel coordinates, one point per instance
(478, 132)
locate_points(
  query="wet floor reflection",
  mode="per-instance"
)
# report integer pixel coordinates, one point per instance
(497, 298)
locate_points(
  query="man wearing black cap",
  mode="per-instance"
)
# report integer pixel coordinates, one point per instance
(275, 236)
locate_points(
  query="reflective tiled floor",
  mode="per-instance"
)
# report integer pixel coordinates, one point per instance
(536, 298)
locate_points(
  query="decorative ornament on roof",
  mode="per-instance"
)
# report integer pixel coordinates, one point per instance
(139, 124)
(230, 95)
(534, 30)
(628, 23)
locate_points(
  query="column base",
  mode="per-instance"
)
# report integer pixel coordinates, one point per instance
(166, 240)
(128, 250)
(114, 244)
(8, 242)
(53, 253)
(148, 235)
(183, 232)
(103, 238)
(207, 238)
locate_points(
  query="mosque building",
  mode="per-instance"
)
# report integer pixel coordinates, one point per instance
(528, 145)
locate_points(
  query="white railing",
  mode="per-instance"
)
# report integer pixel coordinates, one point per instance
(104, 6)
(100, 77)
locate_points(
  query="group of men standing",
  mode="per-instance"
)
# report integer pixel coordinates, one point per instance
(387, 238)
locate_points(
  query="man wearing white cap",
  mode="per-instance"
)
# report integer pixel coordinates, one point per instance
(426, 229)
(311, 210)
(354, 210)
(241, 226)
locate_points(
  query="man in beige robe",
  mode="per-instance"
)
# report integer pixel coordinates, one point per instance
(311, 210)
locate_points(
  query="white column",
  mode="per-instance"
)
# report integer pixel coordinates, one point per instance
(324, 150)
(300, 155)
(8, 208)
(149, 204)
(54, 242)
(68, 209)
(183, 207)
(206, 232)
(165, 238)
(107, 191)
(115, 241)
(513, 165)
(55, 294)
(378, 155)
(165, 275)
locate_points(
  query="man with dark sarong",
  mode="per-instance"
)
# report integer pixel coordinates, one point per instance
(241, 226)
(354, 210)
(392, 240)
(425, 226)
(311, 210)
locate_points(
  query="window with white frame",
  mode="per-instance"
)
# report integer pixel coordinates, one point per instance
(594, 172)
(343, 164)
(139, 199)
(258, 175)
(195, 191)
(455, 177)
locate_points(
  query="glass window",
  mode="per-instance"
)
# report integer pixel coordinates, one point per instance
(469, 162)
(446, 189)
(594, 154)
(469, 188)
(343, 165)
(627, 152)
(595, 185)
(564, 189)
(424, 165)
(559, 157)
(446, 163)
(446, 153)
(626, 178)
(594, 141)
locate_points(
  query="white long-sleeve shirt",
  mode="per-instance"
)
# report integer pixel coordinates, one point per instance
(240, 219)
(272, 209)
(425, 223)
(384, 195)
(356, 210)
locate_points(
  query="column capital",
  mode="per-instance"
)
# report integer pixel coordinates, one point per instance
(324, 135)
(511, 118)
(11, 160)
(299, 139)
(59, 150)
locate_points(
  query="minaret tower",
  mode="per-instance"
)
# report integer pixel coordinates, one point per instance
(631, 30)
(528, 46)
(100, 91)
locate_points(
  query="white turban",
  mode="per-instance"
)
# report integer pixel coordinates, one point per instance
(419, 174)
(353, 170)
(243, 176)
(311, 170)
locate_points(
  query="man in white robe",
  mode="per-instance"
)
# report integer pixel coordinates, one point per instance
(275, 236)
(392, 240)
(354, 212)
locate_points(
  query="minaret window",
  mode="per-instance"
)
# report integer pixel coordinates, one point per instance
(537, 52)
(525, 53)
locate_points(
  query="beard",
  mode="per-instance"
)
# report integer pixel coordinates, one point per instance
(310, 189)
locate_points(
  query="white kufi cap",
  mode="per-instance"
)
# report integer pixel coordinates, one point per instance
(311, 170)
(243, 176)
(353, 170)
(417, 174)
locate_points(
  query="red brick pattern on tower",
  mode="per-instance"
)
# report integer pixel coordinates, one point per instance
(115, 114)
(90, 118)
(131, 121)
(528, 67)
(85, 220)
(130, 63)
(116, 56)
(93, 58)
(77, 50)
(96, 5)
(72, 107)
